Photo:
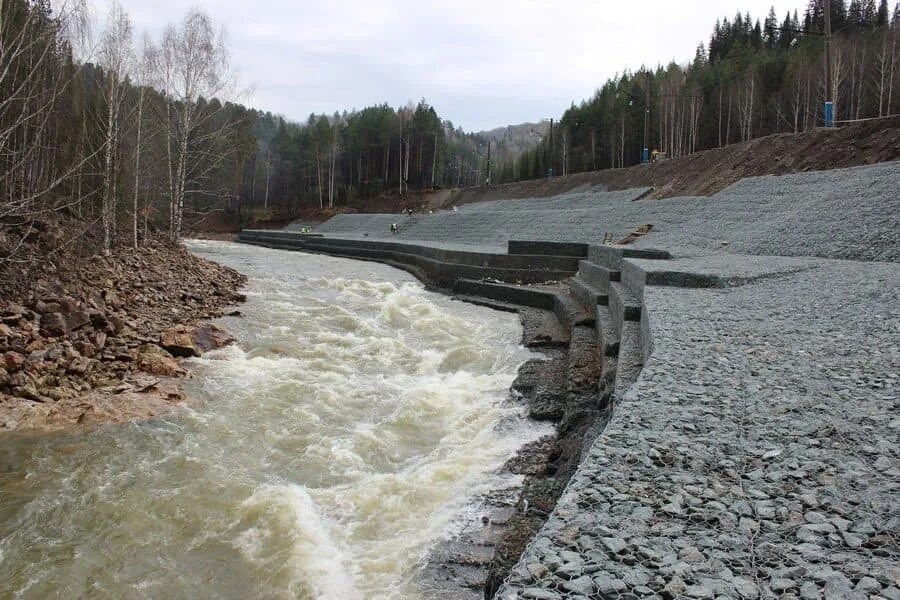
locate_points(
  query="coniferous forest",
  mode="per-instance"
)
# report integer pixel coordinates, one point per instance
(130, 134)
(753, 78)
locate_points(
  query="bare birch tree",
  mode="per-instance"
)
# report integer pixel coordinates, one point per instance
(115, 56)
(192, 64)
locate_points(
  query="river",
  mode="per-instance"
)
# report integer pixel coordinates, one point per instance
(344, 434)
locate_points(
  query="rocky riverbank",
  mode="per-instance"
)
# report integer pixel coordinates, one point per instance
(96, 339)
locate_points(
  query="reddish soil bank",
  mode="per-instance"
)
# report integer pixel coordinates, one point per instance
(86, 338)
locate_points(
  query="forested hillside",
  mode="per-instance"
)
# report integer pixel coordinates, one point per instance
(128, 136)
(753, 78)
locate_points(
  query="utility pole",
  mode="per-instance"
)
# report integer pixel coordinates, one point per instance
(550, 170)
(487, 181)
(829, 101)
(645, 157)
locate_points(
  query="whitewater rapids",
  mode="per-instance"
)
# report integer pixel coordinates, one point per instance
(347, 431)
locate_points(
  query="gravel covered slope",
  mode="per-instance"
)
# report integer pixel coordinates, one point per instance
(847, 213)
(569, 201)
(756, 456)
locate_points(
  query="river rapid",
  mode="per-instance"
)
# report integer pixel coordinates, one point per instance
(345, 433)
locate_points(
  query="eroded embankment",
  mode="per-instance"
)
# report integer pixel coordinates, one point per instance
(96, 339)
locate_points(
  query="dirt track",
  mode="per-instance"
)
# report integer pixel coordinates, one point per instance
(710, 171)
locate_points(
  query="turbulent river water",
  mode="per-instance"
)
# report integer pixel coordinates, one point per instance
(345, 433)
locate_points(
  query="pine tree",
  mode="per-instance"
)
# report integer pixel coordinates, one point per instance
(770, 33)
(868, 15)
(854, 15)
(881, 18)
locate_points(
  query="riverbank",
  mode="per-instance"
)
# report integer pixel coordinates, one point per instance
(750, 447)
(96, 339)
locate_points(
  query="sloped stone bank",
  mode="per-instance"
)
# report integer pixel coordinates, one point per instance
(756, 456)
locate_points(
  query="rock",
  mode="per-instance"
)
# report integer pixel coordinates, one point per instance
(79, 366)
(883, 463)
(68, 305)
(156, 361)
(99, 340)
(614, 544)
(581, 585)
(868, 585)
(675, 586)
(178, 343)
(116, 323)
(699, 591)
(85, 348)
(76, 320)
(35, 345)
(837, 587)
(209, 337)
(810, 591)
(4, 377)
(13, 361)
(782, 584)
(891, 593)
(540, 594)
(187, 341)
(98, 319)
(608, 585)
(815, 517)
(53, 324)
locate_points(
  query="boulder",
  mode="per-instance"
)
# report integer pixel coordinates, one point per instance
(178, 343)
(79, 365)
(156, 361)
(77, 319)
(56, 324)
(194, 341)
(13, 361)
(209, 337)
(85, 348)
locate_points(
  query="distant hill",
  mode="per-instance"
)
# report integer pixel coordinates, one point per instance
(513, 140)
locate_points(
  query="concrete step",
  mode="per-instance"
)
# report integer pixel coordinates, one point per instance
(574, 249)
(570, 311)
(607, 336)
(630, 360)
(611, 256)
(596, 275)
(587, 295)
(506, 293)
(623, 305)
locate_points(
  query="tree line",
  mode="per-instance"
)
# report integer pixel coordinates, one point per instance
(131, 135)
(752, 79)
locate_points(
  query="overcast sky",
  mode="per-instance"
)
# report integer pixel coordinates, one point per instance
(482, 64)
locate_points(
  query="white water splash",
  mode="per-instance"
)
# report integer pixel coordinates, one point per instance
(340, 438)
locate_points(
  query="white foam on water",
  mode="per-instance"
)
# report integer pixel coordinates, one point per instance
(316, 563)
(347, 431)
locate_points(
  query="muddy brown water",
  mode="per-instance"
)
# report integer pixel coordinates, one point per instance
(343, 436)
